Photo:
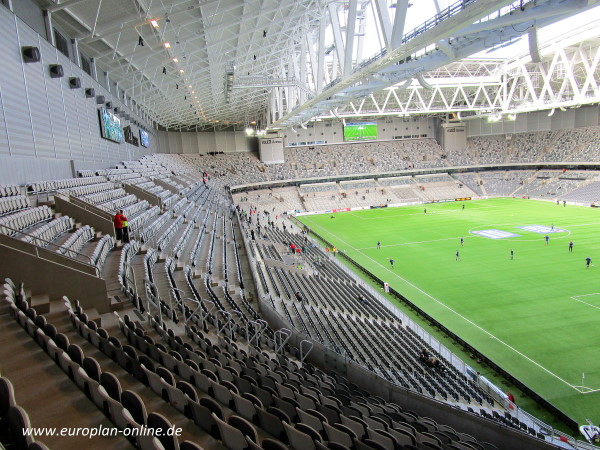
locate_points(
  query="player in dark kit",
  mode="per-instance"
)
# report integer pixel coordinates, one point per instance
(588, 261)
(392, 263)
(458, 256)
(547, 239)
(512, 254)
(378, 245)
(462, 242)
(571, 246)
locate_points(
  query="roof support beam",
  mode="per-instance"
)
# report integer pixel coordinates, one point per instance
(350, 32)
(385, 23)
(399, 22)
(337, 32)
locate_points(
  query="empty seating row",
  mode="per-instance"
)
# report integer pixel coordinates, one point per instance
(23, 219)
(76, 241)
(46, 233)
(13, 203)
(7, 190)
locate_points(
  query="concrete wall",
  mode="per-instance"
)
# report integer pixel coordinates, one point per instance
(46, 128)
(45, 271)
(203, 142)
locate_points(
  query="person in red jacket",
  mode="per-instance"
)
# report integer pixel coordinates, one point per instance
(120, 229)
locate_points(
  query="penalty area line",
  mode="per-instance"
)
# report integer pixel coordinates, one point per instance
(450, 309)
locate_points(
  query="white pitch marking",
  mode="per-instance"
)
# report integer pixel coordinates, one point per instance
(451, 310)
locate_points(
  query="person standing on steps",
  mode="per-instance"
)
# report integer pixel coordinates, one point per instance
(118, 223)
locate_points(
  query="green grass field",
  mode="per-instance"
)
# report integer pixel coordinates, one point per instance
(537, 315)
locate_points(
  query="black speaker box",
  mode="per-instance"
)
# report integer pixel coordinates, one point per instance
(56, 71)
(108, 105)
(74, 82)
(31, 54)
(90, 92)
(100, 99)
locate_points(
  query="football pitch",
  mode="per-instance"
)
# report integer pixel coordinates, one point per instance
(537, 314)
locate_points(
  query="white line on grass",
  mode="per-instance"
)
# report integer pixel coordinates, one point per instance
(576, 298)
(451, 310)
(415, 242)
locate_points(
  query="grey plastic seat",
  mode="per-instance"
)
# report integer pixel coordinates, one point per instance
(244, 407)
(357, 427)
(311, 420)
(111, 384)
(7, 396)
(244, 426)
(17, 421)
(378, 436)
(271, 424)
(156, 420)
(335, 435)
(232, 438)
(297, 439)
(135, 405)
(202, 416)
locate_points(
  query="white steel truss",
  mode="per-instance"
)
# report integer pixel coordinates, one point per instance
(462, 29)
(566, 77)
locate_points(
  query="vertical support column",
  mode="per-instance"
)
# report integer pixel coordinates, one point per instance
(350, 32)
(48, 23)
(385, 23)
(399, 21)
(75, 47)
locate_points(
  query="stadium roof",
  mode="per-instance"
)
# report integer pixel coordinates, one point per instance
(218, 64)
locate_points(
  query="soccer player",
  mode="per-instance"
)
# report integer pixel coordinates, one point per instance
(588, 261)
(425, 211)
(378, 245)
(392, 262)
(463, 206)
(547, 239)
(462, 242)
(458, 256)
(512, 254)
(571, 247)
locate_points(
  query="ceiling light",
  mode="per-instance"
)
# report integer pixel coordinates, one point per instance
(180, 70)
(190, 86)
(175, 60)
(167, 45)
(154, 23)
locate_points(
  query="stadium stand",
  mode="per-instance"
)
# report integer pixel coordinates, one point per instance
(207, 360)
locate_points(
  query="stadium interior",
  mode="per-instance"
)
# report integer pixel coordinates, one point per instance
(215, 126)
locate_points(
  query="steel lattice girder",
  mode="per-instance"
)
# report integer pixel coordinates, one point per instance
(567, 76)
(394, 67)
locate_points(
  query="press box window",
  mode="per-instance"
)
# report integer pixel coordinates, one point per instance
(62, 44)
